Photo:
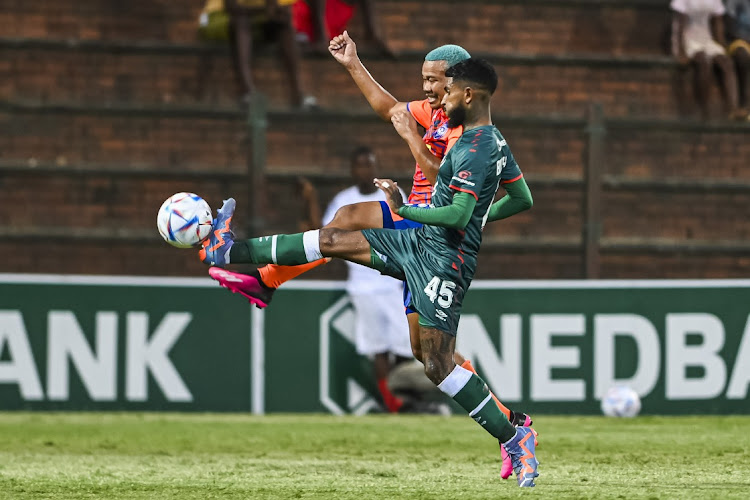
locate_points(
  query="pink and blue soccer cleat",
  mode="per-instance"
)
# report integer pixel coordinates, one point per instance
(216, 247)
(518, 420)
(247, 285)
(521, 452)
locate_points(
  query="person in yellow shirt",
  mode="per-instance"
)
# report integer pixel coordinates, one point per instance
(238, 20)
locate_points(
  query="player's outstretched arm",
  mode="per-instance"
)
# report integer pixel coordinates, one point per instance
(517, 199)
(406, 126)
(344, 50)
(453, 216)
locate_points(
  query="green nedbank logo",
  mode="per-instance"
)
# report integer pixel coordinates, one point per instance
(147, 349)
(99, 343)
(691, 360)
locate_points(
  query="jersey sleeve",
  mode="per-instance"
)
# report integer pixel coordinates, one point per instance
(510, 172)
(421, 111)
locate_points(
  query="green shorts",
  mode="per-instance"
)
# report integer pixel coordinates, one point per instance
(437, 288)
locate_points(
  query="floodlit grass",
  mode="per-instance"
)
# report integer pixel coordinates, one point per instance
(202, 456)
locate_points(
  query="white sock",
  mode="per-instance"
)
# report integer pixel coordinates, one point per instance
(311, 241)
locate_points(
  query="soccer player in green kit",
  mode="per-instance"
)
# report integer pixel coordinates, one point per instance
(437, 260)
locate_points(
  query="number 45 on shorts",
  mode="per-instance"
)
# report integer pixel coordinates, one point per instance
(440, 290)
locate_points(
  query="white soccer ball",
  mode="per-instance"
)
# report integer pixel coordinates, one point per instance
(184, 220)
(621, 401)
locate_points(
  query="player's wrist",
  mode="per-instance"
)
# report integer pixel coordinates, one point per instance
(354, 65)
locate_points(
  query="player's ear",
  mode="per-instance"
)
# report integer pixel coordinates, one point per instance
(468, 95)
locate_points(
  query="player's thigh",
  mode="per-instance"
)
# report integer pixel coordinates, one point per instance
(347, 245)
(365, 215)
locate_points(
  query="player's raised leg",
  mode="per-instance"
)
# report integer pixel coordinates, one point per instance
(221, 248)
(259, 286)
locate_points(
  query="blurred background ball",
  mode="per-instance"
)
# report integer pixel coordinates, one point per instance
(621, 401)
(184, 220)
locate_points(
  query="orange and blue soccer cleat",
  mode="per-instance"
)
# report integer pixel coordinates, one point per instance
(247, 285)
(521, 452)
(216, 247)
(518, 419)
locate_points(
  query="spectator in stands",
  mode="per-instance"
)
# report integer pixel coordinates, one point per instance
(318, 21)
(738, 37)
(381, 330)
(241, 21)
(698, 37)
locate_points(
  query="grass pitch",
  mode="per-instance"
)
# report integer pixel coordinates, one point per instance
(202, 456)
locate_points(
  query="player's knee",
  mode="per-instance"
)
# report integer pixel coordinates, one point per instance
(328, 238)
(344, 217)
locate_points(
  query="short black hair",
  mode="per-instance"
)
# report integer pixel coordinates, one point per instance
(476, 71)
(360, 151)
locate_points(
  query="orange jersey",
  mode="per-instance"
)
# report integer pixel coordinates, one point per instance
(439, 139)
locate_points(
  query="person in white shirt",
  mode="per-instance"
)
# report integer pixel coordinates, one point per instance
(698, 37)
(381, 330)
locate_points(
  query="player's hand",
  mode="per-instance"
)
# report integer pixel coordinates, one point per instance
(392, 193)
(343, 49)
(405, 124)
(307, 190)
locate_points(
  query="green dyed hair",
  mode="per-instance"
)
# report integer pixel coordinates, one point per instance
(451, 54)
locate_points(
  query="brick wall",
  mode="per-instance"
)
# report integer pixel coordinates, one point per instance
(167, 142)
(648, 265)
(526, 86)
(678, 152)
(310, 142)
(484, 26)
(680, 215)
(96, 201)
(527, 27)
(101, 19)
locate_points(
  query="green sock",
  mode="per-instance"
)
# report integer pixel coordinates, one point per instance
(472, 393)
(283, 249)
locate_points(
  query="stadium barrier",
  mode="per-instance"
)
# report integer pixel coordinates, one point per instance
(184, 344)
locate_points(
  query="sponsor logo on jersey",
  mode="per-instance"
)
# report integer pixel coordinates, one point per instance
(441, 315)
(464, 174)
(440, 133)
(462, 180)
